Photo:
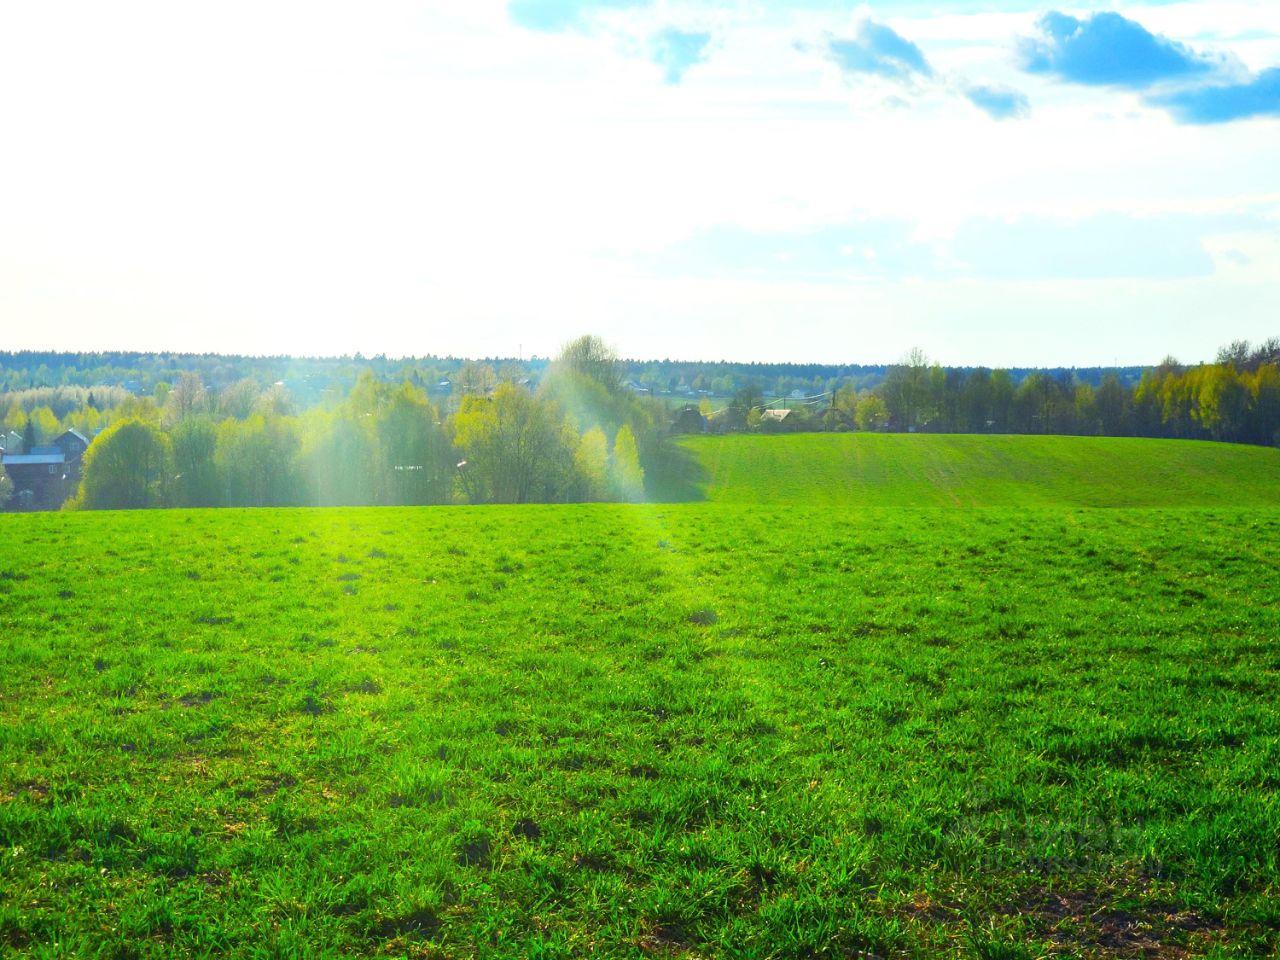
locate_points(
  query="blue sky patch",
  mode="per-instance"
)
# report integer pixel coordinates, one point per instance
(1107, 49)
(678, 50)
(553, 16)
(1259, 97)
(999, 103)
(880, 51)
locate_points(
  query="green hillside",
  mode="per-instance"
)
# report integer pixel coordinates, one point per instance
(931, 470)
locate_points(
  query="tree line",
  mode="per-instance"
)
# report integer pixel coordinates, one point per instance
(1236, 399)
(578, 436)
(582, 432)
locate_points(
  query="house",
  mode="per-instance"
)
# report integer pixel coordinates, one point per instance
(689, 420)
(73, 444)
(45, 476)
(775, 421)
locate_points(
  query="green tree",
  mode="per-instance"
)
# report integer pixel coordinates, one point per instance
(1087, 420)
(844, 408)
(238, 399)
(15, 418)
(6, 486)
(1264, 389)
(748, 397)
(976, 401)
(414, 455)
(258, 462)
(907, 392)
(127, 467)
(194, 441)
(1111, 406)
(341, 461)
(45, 425)
(588, 357)
(187, 398)
(512, 448)
(1222, 401)
(871, 412)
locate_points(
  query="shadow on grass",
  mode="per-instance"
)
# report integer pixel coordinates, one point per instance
(675, 475)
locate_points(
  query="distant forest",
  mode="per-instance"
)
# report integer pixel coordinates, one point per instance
(211, 430)
(316, 380)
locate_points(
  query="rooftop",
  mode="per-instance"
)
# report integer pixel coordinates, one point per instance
(32, 459)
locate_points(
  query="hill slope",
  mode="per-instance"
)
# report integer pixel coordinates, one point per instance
(943, 470)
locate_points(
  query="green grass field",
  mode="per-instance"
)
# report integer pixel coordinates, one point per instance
(681, 730)
(906, 470)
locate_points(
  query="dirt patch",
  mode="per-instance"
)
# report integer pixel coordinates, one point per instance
(417, 924)
(1091, 920)
(1088, 922)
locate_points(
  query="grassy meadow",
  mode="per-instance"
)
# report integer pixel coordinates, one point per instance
(795, 719)
(919, 470)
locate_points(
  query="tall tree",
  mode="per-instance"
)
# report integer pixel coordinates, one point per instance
(187, 398)
(128, 466)
(413, 451)
(588, 356)
(628, 476)
(512, 447)
(591, 462)
(195, 482)
(907, 393)
(258, 462)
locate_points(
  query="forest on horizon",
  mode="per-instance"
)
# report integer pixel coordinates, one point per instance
(175, 430)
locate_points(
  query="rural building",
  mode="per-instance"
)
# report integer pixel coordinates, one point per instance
(44, 477)
(775, 421)
(689, 420)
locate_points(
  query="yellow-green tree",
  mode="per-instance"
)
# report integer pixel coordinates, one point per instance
(628, 475)
(126, 467)
(15, 418)
(46, 424)
(591, 460)
(871, 413)
(512, 448)
(1264, 392)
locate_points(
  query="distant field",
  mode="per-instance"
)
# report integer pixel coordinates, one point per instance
(692, 730)
(932, 470)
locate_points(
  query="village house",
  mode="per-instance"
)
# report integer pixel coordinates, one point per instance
(44, 477)
(776, 420)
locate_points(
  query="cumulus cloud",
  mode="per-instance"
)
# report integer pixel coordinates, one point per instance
(999, 103)
(678, 50)
(1258, 97)
(1108, 50)
(880, 51)
(554, 16)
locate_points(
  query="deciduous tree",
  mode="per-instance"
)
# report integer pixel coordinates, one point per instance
(128, 466)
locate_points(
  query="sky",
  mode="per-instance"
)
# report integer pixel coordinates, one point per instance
(1003, 183)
